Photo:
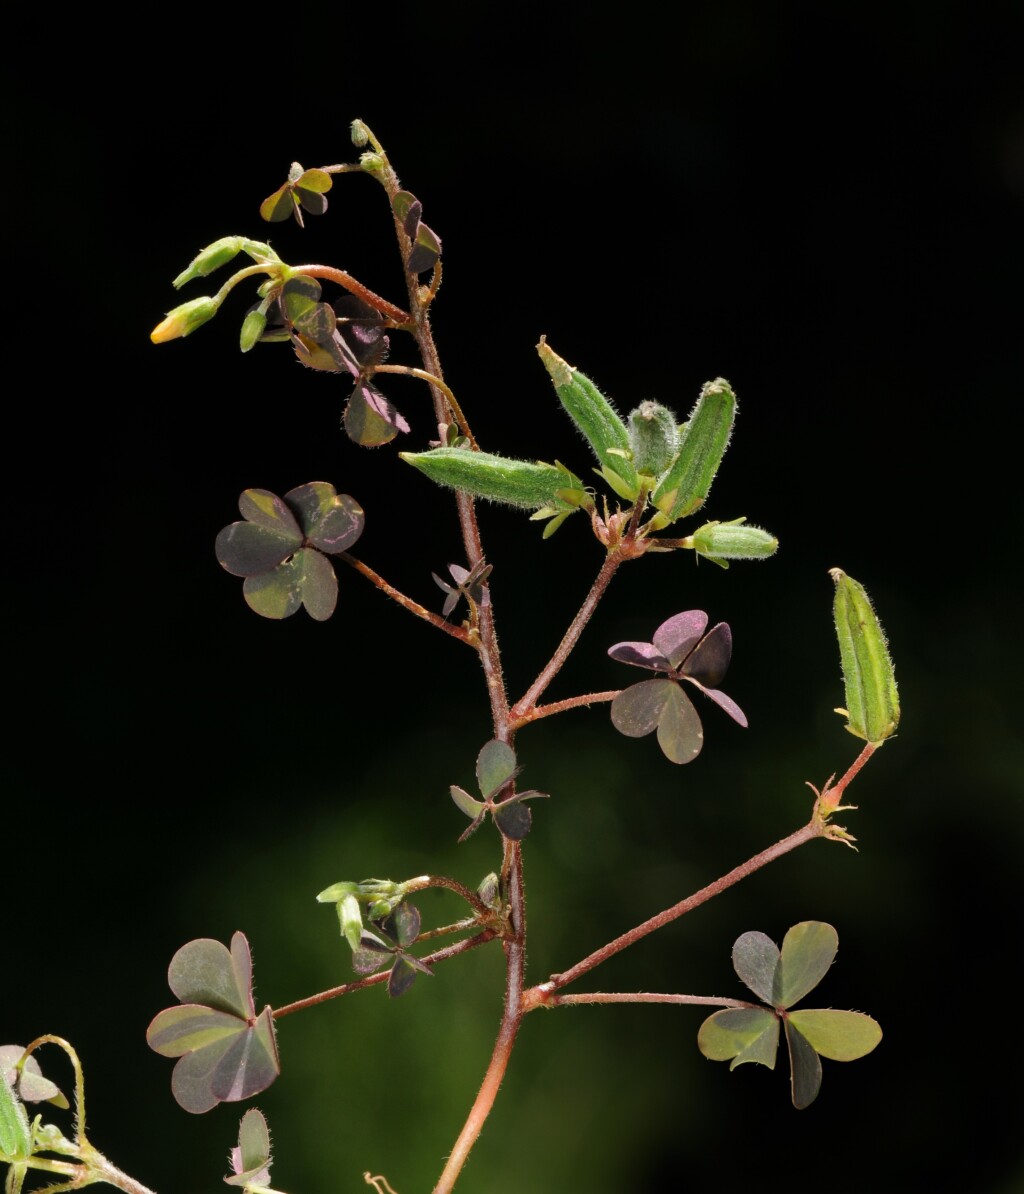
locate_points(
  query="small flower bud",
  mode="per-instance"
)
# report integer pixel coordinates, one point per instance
(184, 320)
(360, 134)
(252, 328)
(209, 259)
(733, 541)
(654, 438)
(372, 163)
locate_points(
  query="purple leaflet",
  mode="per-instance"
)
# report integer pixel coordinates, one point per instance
(681, 653)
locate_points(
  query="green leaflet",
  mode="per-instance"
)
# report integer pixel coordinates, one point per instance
(872, 703)
(514, 482)
(685, 486)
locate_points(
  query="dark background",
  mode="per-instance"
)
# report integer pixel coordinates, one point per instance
(825, 207)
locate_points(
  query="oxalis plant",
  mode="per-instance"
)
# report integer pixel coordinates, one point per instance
(653, 476)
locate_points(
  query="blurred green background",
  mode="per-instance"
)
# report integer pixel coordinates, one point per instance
(825, 207)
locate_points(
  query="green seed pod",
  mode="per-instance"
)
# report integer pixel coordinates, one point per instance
(872, 704)
(654, 438)
(209, 259)
(596, 418)
(721, 541)
(514, 482)
(685, 486)
(184, 320)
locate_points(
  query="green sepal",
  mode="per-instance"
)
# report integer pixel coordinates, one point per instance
(721, 541)
(499, 479)
(703, 441)
(597, 419)
(872, 703)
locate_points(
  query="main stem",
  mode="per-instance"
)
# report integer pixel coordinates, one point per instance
(490, 657)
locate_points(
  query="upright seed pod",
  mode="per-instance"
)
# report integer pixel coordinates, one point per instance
(597, 419)
(685, 486)
(872, 704)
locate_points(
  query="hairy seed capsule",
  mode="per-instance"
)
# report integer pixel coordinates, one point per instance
(596, 418)
(653, 437)
(685, 486)
(872, 703)
(514, 482)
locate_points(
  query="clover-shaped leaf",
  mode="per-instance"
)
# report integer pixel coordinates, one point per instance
(470, 583)
(782, 978)
(370, 420)
(426, 247)
(495, 768)
(282, 545)
(304, 190)
(397, 931)
(225, 1051)
(250, 1159)
(27, 1081)
(678, 650)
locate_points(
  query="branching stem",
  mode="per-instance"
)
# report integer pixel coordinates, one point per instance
(526, 703)
(423, 375)
(813, 829)
(641, 997)
(588, 699)
(354, 286)
(413, 607)
(441, 955)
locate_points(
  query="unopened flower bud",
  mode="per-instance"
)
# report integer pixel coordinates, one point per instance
(734, 540)
(360, 135)
(252, 328)
(209, 259)
(184, 320)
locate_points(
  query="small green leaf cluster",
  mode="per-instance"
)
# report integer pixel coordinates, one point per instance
(395, 926)
(781, 979)
(496, 768)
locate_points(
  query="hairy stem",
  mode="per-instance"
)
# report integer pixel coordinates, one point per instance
(588, 699)
(833, 793)
(423, 375)
(354, 286)
(515, 955)
(413, 607)
(641, 997)
(526, 703)
(441, 955)
(813, 829)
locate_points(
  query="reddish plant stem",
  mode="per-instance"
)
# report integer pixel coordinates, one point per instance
(423, 375)
(539, 711)
(515, 956)
(413, 607)
(440, 955)
(538, 995)
(641, 997)
(832, 793)
(526, 703)
(354, 286)
(471, 898)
